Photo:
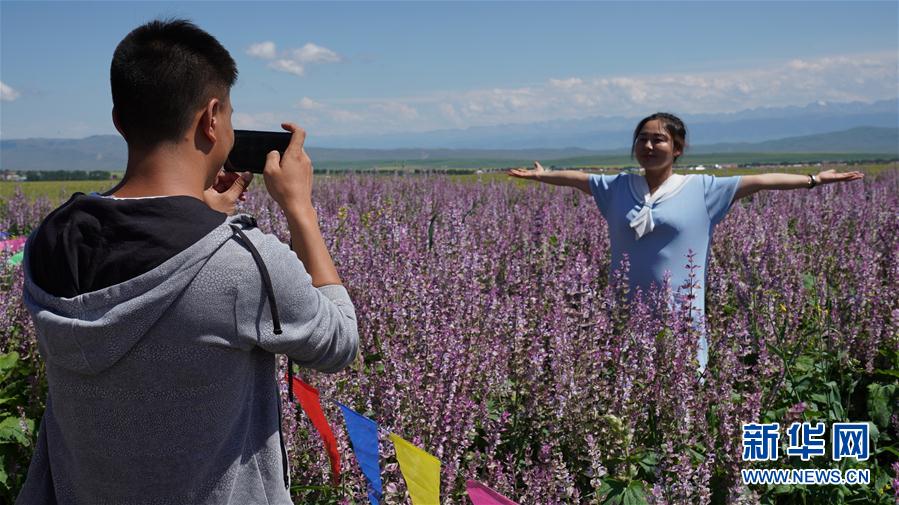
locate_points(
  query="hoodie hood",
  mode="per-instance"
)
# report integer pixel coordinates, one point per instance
(90, 332)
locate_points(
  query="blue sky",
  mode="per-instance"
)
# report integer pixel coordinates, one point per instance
(348, 68)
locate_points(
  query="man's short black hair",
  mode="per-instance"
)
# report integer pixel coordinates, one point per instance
(162, 73)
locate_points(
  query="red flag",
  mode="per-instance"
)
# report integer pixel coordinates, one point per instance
(309, 400)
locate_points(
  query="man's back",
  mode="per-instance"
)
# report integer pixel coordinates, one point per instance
(162, 385)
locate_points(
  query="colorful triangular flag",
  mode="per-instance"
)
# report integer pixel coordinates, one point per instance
(483, 495)
(13, 244)
(420, 470)
(363, 434)
(311, 403)
(16, 259)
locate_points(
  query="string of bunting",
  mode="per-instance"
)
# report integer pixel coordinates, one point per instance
(420, 470)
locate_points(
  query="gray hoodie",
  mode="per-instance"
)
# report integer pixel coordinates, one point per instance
(162, 388)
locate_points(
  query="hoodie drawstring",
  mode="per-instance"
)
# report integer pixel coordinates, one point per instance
(276, 329)
(266, 279)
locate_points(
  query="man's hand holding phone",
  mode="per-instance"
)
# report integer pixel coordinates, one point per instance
(288, 179)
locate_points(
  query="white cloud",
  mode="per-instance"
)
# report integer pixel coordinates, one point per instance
(345, 116)
(841, 78)
(508, 103)
(311, 53)
(264, 50)
(566, 83)
(319, 113)
(258, 121)
(307, 103)
(395, 110)
(584, 100)
(289, 66)
(292, 61)
(450, 113)
(7, 94)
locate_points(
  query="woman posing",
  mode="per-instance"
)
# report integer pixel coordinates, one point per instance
(658, 218)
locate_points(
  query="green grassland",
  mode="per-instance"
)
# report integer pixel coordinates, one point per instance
(600, 161)
(55, 191)
(735, 158)
(870, 169)
(59, 191)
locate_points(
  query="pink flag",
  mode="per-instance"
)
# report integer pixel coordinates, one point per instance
(13, 244)
(483, 495)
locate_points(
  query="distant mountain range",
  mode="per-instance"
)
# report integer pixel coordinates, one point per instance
(864, 128)
(863, 139)
(603, 133)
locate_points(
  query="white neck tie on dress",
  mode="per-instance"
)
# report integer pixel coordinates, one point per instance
(642, 223)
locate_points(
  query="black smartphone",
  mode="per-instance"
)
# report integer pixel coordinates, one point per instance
(251, 147)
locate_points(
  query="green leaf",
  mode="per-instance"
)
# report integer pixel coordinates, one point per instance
(873, 434)
(372, 358)
(804, 363)
(698, 457)
(820, 398)
(11, 431)
(4, 478)
(879, 403)
(8, 360)
(648, 462)
(783, 489)
(889, 372)
(633, 494)
(808, 282)
(890, 449)
(774, 415)
(618, 492)
(611, 492)
(8, 365)
(837, 412)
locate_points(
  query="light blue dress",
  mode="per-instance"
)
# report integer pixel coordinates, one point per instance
(684, 221)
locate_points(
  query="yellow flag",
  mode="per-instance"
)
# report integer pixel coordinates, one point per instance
(420, 470)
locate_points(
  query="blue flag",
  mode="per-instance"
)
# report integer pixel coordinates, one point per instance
(364, 437)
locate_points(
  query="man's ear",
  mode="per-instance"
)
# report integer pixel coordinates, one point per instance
(208, 121)
(118, 126)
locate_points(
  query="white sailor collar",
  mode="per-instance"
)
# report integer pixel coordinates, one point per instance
(672, 186)
(643, 223)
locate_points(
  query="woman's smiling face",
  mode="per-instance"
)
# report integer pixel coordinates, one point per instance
(654, 148)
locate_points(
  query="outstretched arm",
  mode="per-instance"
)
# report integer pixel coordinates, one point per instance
(571, 178)
(750, 184)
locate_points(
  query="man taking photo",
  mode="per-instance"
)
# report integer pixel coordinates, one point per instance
(159, 315)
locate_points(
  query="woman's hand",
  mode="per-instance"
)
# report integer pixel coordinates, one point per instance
(571, 178)
(227, 191)
(533, 175)
(830, 176)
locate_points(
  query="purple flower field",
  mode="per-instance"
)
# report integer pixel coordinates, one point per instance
(493, 338)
